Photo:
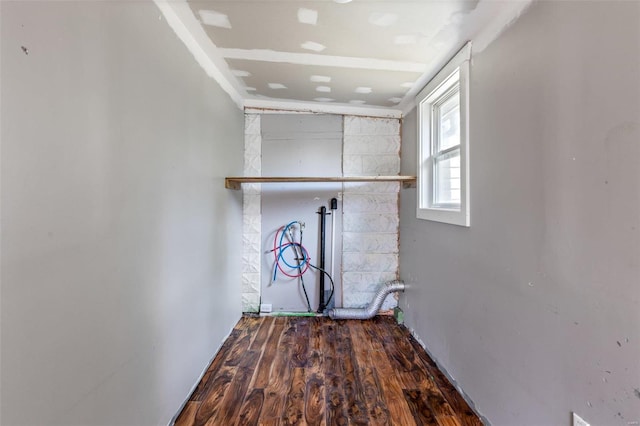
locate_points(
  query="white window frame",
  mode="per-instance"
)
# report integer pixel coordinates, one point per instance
(455, 72)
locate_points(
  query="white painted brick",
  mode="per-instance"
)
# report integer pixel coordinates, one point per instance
(389, 144)
(371, 187)
(364, 222)
(370, 242)
(352, 165)
(251, 263)
(251, 224)
(250, 243)
(250, 302)
(370, 203)
(250, 283)
(251, 188)
(366, 281)
(369, 262)
(252, 124)
(371, 126)
(373, 165)
(362, 300)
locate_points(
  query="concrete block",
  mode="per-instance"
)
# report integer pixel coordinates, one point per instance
(359, 242)
(369, 262)
(354, 202)
(374, 165)
(371, 187)
(369, 222)
(357, 144)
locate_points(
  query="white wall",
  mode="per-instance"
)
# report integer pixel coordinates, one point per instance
(117, 287)
(300, 145)
(535, 309)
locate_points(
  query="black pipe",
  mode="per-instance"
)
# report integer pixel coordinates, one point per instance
(323, 224)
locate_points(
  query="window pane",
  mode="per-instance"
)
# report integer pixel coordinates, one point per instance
(446, 170)
(449, 122)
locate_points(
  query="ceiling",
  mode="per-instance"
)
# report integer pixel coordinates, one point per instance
(361, 56)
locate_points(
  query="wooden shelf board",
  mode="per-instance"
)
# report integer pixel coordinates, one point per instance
(236, 182)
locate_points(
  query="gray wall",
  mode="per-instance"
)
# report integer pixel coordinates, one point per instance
(116, 284)
(535, 309)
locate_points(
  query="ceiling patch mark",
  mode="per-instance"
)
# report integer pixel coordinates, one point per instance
(189, 30)
(323, 99)
(250, 89)
(395, 100)
(321, 60)
(277, 86)
(320, 79)
(312, 45)
(325, 89)
(342, 1)
(215, 19)
(406, 39)
(357, 102)
(363, 90)
(307, 16)
(383, 19)
(407, 85)
(241, 73)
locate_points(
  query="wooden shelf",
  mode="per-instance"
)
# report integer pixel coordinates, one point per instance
(236, 182)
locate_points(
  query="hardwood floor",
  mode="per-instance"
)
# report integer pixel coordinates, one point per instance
(316, 371)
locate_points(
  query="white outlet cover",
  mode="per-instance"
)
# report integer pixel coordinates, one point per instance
(579, 421)
(267, 307)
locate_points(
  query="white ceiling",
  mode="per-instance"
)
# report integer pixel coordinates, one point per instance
(360, 56)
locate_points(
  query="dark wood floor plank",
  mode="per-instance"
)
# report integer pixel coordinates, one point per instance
(263, 334)
(377, 408)
(214, 397)
(251, 408)
(188, 414)
(456, 401)
(300, 343)
(335, 410)
(353, 389)
(316, 371)
(233, 398)
(248, 333)
(261, 379)
(419, 408)
(414, 375)
(314, 386)
(280, 376)
(294, 405)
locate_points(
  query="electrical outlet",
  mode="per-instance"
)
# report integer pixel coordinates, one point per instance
(579, 421)
(268, 307)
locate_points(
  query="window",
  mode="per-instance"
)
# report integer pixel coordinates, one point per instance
(443, 144)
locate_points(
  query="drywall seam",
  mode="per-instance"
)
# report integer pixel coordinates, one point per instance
(279, 107)
(267, 55)
(181, 19)
(485, 36)
(449, 377)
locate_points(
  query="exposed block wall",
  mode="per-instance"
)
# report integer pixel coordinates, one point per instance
(251, 216)
(370, 210)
